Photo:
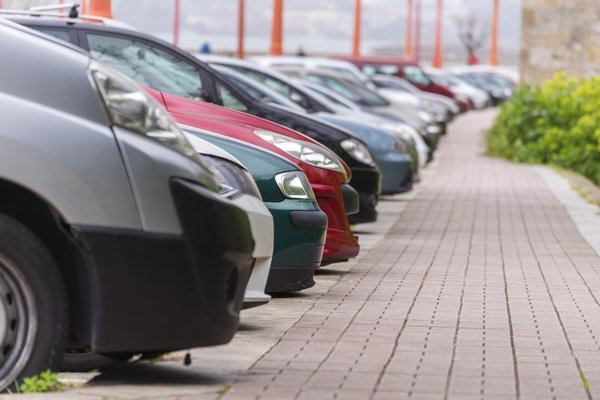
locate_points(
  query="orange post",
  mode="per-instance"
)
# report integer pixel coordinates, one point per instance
(240, 48)
(408, 47)
(176, 23)
(417, 53)
(494, 45)
(437, 51)
(100, 8)
(357, 27)
(277, 29)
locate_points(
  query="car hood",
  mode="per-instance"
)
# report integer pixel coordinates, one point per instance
(206, 148)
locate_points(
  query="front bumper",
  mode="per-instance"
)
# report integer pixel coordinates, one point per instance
(397, 172)
(367, 183)
(300, 229)
(155, 292)
(340, 244)
(261, 223)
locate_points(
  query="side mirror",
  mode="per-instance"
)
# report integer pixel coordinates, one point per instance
(202, 95)
(296, 98)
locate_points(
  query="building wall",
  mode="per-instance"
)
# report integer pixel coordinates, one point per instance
(560, 35)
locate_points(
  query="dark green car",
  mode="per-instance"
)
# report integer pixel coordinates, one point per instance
(300, 226)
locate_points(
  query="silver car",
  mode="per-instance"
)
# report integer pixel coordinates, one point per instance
(115, 238)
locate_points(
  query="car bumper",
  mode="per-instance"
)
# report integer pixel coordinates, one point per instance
(261, 223)
(368, 185)
(300, 229)
(397, 172)
(340, 243)
(156, 292)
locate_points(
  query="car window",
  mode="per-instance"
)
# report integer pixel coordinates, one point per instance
(388, 69)
(229, 100)
(278, 86)
(147, 64)
(57, 33)
(416, 75)
(367, 96)
(333, 84)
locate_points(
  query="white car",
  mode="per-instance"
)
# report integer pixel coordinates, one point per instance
(344, 68)
(461, 89)
(506, 73)
(261, 220)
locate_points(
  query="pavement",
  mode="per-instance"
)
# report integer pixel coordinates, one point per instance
(481, 284)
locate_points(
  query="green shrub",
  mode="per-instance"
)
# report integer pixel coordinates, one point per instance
(556, 123)
(46, 381)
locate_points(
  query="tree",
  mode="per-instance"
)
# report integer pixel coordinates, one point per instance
(471, 34)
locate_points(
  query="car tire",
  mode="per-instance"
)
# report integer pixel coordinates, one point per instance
(86, 361)
(33, 306)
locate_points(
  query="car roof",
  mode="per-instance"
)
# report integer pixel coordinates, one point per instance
(44, 18)
(9, 23)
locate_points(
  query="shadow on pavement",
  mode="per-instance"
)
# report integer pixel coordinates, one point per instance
(330, 272)
(158, 374)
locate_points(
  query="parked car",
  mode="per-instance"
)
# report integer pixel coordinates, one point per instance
(316, 100)
(387, 84)
(351, 73)
(239, 186)
(343, 68)
(477, 98)
(374, 103)
(497, 88)
(389, 151)
(105, 204)
(327, 174)
(300, 226)
(416, 146)
(409, 70)
(164, 67)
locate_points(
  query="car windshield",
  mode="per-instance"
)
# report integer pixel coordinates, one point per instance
(257, 91)
(277, 85)
(356, 93)
(392, 82)
(147, 64)
(416, 75)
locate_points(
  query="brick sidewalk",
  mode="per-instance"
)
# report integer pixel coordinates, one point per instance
(483, 289)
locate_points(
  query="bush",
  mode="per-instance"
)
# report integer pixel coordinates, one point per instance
(555, 123)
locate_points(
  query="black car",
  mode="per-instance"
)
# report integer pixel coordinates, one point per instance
(146, 59)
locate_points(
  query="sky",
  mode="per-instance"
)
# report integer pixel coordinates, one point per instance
(319, 26)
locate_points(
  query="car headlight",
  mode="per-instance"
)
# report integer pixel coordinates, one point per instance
(358, 151)
(433, 129)
(309, 153)
(130, 108)
(405, 132)
(294, 185)
(425, 116)
(234, 181)
(398, 145)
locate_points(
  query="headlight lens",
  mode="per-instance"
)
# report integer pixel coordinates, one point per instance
(130, 108)
(310, 153)
(294, 185)
(358, 151)
(425, 116)
(433, 129)
(234, 181)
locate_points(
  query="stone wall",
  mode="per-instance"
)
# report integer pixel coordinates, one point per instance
(560, 35)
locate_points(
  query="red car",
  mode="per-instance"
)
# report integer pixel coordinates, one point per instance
(329, 185)
(409, 70)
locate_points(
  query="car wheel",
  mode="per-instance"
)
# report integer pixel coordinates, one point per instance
(33, 310)
(85, 361)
